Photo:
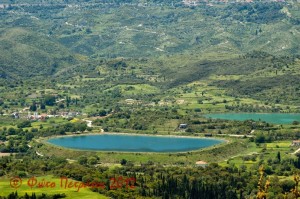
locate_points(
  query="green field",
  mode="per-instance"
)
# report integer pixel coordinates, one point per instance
(5, 188)
(263, 152)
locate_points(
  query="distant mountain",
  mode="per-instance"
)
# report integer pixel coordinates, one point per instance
(45, 38)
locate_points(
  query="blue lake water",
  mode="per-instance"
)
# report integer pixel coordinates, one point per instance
(275, 118)
(133, 143)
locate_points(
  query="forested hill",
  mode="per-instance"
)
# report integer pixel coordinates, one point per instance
(46, 38)
(30, 54)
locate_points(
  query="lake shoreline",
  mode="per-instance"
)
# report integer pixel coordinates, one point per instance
(222, 142)
(134, 134)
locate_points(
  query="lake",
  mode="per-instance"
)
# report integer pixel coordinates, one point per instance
(275, 118)
(134, 143)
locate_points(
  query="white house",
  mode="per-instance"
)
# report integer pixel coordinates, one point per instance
(201, 164)
(295, 143)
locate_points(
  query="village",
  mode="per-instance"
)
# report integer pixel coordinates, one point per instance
(37, 113)
(35, 116)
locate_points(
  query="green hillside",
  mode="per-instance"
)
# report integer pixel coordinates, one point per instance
(29, 54)
(47, 39)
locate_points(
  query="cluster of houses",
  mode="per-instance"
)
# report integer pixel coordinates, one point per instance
(44, 116)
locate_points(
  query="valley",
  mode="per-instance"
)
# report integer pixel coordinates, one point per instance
(203, 70)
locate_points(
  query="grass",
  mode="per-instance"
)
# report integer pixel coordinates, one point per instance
(49, 123)
(71, 193)
(270, 152)
(136, 89)
(213, 99)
